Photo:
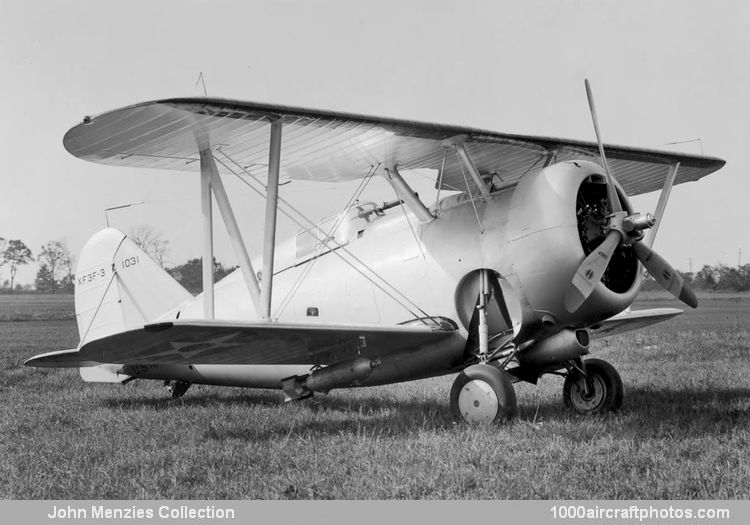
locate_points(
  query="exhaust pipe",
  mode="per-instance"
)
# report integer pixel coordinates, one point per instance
(563, 346)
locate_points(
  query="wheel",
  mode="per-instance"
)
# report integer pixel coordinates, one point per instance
(483, 394)
(605, 394)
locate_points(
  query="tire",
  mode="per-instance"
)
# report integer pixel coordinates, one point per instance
(607, 386)
(178, 388)
(483, 395)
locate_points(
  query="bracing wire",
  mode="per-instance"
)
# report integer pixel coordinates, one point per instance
(440, 180)
(537, 161)
(334, 250)
(428, 177)
(319, 249)
(471, 197)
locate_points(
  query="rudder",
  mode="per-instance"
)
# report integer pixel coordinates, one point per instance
(119, 287)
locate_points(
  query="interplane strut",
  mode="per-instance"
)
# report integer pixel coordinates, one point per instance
(662, 204)
(211, 184)
(208, 234)
(272, 206)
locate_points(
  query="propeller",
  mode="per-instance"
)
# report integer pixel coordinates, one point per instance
(614, 201)
(664, 274)
(623, 229)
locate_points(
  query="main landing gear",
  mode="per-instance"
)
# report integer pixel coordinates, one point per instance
(594, 388)
(483, 394)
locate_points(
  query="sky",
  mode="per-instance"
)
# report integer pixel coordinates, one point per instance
(662, 72)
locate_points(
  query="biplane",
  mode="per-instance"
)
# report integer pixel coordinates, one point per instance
(530, 250)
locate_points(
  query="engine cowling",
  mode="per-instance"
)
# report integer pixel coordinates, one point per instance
(556, 219)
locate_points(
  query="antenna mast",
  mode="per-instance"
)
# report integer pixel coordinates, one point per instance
(202, 81)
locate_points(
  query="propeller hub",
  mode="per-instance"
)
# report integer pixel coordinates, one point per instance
(638, 223)
(629, 226)
(616, 222)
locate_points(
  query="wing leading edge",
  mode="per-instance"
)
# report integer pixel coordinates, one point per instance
(332, 146)
(212, 342)
(632, 320)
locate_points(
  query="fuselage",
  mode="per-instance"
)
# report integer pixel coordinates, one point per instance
(385, 267)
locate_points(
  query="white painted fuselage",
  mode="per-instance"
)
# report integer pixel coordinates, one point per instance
(388, 268)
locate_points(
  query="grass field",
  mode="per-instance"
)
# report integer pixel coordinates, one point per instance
(36, 308)
(683, 432)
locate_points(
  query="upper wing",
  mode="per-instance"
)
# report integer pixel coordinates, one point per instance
(331, 146)
(632, 320)
(215, 342)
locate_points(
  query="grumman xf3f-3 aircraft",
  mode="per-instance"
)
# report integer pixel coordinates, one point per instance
(536, 251)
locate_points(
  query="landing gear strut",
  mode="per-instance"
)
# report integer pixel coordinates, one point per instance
(594, 390)
(483, 394)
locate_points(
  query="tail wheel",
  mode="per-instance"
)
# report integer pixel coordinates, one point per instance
(599, 391)
(483, 394)
(177, 388)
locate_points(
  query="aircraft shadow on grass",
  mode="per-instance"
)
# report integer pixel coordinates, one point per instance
(661, 410)
(656, 411)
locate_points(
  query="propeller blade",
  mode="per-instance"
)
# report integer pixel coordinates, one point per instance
(590, 272)
(614, 201)
(664, 274)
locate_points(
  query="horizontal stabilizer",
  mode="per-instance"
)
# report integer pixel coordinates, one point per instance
(91, 371)
(632, 320)
(60, 359)
(214, 342)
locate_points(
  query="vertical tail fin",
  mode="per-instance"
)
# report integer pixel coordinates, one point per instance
(119, 287)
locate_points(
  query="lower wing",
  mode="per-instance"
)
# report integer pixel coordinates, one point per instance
(215, 342)
(632, 320)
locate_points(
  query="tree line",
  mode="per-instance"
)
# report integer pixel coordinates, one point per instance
(56, 267)
(716, 278)
(56, 272)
